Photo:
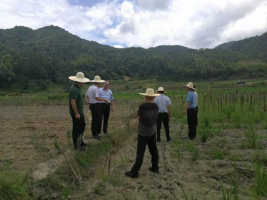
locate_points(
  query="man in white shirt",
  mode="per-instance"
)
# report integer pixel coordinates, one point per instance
(164, 104)
(92, 98)
(105, 93)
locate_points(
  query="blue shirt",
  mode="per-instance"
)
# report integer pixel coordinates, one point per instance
(192, 98)
(163, 102)
(105, 94)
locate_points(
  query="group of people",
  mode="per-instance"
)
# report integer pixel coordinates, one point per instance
(151, 114)
(100, 101)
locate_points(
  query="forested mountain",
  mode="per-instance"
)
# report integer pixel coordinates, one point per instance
(31, 58)
(225, 45)
(164, 49)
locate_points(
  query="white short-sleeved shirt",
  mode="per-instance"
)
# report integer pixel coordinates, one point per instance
(92, 94)
(163, 102)
(105, 94)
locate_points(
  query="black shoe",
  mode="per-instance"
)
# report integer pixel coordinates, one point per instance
(83, 144)
(154, 170)
(97, 137)
(131, 174)
(169, 139)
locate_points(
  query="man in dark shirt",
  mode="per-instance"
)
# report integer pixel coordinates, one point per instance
(76, 109)
(147, 115)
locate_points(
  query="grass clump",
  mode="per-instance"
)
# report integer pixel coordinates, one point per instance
(230, 194)
(205, 133)
(13, 186)
(252, 139)
(86, 159)
(217, 154)
(261, 180)
(192, 148)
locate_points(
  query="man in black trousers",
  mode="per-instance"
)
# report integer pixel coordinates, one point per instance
(147, 115)
(105, 93)
(164, 104)
(76, 109)
(92, 98)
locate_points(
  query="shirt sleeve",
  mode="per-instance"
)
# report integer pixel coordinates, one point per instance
(87, 93)
(74, 94)
(111, 96)
(96, 93)
(169, 102)
(189, 97)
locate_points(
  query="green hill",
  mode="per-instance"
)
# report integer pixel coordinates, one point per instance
(37, 59)
(225, 45)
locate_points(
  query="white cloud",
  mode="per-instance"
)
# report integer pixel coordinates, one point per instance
(118, 46)
(146, 23)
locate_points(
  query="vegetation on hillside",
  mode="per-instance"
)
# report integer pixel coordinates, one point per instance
(38, 59)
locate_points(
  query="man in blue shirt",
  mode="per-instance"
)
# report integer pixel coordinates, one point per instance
(164, 104)
(191, 110)
(105, 93)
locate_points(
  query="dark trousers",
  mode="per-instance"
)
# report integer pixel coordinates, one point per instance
(163, 117)
(96, 120)
(77, 129)
(192, 122)
(104, 114)
(141, 147)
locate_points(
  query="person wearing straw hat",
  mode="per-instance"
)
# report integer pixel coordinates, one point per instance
(92, 98)
(191, 110)
(76, 109)
(164, 104)
(147, 115)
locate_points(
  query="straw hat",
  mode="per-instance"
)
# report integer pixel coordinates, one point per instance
(150, 93)
(161, 89)
(191, 86)
(79, 78)
(97, 79)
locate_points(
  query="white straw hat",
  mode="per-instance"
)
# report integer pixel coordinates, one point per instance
(161, 89)
(150, 93)
(191, 86)
(97, 79)
(79, 78)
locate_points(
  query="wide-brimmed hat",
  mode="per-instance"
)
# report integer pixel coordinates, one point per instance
(79, 78)
(97, 79)
(190, 85)
(161, 89)
(149, 93)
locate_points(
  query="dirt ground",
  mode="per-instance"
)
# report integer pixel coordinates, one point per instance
(179, 175)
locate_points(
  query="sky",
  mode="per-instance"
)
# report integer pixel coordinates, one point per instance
(143, 23)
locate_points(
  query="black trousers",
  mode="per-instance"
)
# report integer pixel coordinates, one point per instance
(104, 114)
(96, 119)
(141, 147)
(163, 117)
(78, 127)
(192, 122)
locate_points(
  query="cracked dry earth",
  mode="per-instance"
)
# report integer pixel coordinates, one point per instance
(180, 177)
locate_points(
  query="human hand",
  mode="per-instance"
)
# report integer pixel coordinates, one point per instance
(170, 116)
(77, 116)
(184, 112)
